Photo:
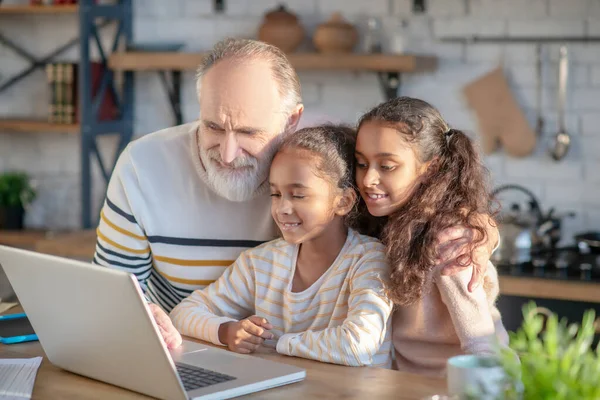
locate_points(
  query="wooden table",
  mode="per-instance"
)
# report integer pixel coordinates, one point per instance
(323, 381)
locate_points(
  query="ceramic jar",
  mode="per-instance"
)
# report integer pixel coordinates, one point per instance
(281, 28)
(335, 36)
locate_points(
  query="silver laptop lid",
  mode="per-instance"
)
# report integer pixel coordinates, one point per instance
(92, 321)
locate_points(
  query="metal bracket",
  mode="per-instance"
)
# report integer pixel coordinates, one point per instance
(34, 61)
(173, 93)
(91, 103)
(390, 83)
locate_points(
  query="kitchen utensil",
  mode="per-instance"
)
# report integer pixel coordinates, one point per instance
(562, 141)
(500, 117)
(588, 242)
(526, 232)
(539, 126)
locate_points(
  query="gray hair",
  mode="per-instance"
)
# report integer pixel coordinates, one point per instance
(245, 49)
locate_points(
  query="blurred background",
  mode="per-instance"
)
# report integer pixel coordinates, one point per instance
(80, 79)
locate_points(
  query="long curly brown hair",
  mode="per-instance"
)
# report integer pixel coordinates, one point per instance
(453, 191)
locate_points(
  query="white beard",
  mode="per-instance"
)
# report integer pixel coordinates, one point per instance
(242, 182)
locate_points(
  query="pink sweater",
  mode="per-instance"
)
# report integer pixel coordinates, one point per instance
(447, 321)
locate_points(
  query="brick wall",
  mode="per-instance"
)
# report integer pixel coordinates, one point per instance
(571, 185)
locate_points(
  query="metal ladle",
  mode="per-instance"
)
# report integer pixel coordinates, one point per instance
(562, 141)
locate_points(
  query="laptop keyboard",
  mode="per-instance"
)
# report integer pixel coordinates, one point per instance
(196, 377)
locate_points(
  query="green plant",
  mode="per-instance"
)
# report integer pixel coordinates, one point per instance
(15, 190)
(558, 362)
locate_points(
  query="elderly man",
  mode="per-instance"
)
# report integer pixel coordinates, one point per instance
(184, 202)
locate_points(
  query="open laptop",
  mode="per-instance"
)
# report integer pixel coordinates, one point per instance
(94, 321)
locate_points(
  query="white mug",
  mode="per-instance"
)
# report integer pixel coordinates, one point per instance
(475, 376)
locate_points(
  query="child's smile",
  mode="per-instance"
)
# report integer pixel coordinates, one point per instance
(387, 168)
(302, 203)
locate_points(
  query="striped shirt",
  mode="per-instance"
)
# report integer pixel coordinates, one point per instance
(161, 222)
(343, 318)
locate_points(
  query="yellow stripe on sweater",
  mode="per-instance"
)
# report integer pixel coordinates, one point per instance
(119, 229)
(201, 282)
(194, 263)
(119, 246)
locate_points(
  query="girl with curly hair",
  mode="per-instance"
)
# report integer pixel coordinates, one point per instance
(420, 178)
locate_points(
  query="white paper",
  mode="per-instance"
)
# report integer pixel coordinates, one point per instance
(17, 376)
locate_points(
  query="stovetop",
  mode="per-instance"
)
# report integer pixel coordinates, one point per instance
(567, 265)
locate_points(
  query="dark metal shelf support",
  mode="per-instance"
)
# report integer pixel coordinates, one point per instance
(390, 84)
(90, 104)
(34, 61)
(173, 93)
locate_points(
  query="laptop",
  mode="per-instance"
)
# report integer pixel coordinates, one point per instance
(94, 321)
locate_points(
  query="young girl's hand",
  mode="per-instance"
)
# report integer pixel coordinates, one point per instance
(245, 336)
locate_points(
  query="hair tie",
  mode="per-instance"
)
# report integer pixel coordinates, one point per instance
(449, 133)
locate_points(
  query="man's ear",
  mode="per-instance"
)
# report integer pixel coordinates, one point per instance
(345, 202)
(294, 118)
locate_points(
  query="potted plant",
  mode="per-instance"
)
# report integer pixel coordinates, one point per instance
(557, 360)
(16, 193)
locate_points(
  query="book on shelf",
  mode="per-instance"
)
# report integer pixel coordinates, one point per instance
(63, 102)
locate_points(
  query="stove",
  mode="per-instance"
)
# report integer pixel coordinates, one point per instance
(564, 264)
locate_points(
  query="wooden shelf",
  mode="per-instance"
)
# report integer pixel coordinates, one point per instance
(549, 288)
(29, 9)
(152, 61)
(32, 126)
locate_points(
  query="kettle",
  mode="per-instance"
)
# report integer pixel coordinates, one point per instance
(525, 232)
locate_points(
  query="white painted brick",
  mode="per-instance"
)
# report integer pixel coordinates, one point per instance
(594, 8)
(59, 153)
(591, 193)
(192, 8)
(579, 75)
(446, 8)
(590, 124)
(587, 99)
(402, 7)
(346, 7)
(595, 76)
(572, 123)
(239, 28)
(258, 8)
(548, 27)
(593, 218)
(564, 193)
(541, 166)
(495, 164)
(196, 33)
(591, 148)
(469, 26)
(484, 52)
(508, 196)
(347, 103)
(593, 26)
(311, 93)
(508, 8)
(570, 8)
(414, 29)
(578, 53)
(160, 8)
(443, 51)
(507, 54)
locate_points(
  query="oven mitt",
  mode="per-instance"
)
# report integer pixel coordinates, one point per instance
(501, 121)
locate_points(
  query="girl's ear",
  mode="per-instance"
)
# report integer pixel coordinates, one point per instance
(345, 202)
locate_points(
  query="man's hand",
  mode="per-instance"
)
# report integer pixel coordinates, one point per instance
(453, 251)
(245, 336)
(170, 335)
